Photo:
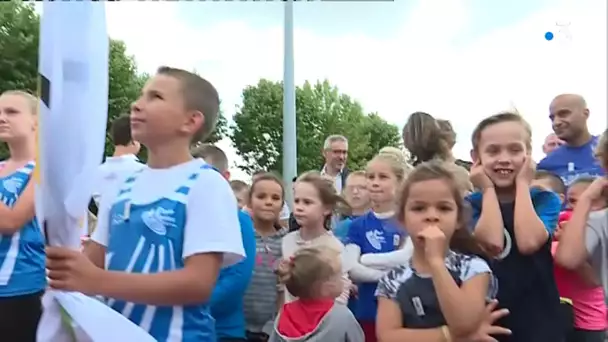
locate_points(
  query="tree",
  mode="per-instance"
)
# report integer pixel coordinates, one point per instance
(321, 110)
(19, 35)
(18, 46)
(380, 134)
(125, 86)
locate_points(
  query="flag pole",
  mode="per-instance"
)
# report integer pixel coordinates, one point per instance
(289, 105)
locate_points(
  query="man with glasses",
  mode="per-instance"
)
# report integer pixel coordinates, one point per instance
(335, 152)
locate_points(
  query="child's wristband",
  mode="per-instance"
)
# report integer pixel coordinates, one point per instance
(447, 337)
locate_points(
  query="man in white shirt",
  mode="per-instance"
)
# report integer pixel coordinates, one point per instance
(122, 163)
(335, 152)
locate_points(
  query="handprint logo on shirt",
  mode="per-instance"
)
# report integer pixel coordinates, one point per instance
(375, 238)
(12, 185)
(158, 220)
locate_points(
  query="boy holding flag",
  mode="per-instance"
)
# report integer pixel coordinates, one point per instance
(170, 227)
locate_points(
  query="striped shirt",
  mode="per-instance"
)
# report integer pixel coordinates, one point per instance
(260, 301)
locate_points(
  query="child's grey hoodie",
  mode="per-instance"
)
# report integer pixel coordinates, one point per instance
(337, 325)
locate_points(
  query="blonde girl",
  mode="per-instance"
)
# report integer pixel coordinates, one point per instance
(314, 276)
(374, 234)
(263, 296)
(22, 271)
(315, 202)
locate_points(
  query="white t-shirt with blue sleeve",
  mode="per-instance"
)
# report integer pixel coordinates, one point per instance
(157, 219)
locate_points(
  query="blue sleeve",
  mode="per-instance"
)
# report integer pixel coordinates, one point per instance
(547, 206)
(341, 230)
(473, 201)
(234, 280)
(355, 234)
(542, 164)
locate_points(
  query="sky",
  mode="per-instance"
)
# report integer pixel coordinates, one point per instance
(460, 60)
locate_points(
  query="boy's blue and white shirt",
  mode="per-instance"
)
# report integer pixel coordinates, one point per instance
(22, 262)
(159, 218)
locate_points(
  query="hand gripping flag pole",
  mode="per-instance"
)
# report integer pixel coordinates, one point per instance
(73, 90)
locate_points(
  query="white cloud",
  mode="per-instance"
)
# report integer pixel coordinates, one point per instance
(416, 68)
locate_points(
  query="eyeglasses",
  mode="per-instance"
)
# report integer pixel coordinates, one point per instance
(356, 188)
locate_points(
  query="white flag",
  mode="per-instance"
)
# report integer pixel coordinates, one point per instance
(73, 66)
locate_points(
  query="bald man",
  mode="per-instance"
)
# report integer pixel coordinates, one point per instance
(569, 114)
(551, 143)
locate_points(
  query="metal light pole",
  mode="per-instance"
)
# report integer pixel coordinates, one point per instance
(290, 166)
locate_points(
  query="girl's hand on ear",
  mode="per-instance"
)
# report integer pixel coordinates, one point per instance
(434, 242)
(479, 178)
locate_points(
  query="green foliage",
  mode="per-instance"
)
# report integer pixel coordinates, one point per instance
(125, 86)
(17, 22)
(321, 110)
(380, 134)
(18, 46)
(19, 34)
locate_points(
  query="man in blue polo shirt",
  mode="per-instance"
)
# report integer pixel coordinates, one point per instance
(575, 158)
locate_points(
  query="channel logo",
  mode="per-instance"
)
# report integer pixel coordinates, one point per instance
(560, 32)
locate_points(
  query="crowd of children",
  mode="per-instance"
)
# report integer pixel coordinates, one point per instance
(420, 250)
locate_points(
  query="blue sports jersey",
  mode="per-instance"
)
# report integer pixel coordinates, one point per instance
(572, 162)
(22, 268)
(148, 238)
(372, 235)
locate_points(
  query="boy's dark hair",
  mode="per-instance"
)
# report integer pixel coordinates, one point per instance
(425, 138)
(238, 185)
(121, 130)
(496, 119)
(462, 241)
(557, 184)
(212, 155)
(200, 95)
